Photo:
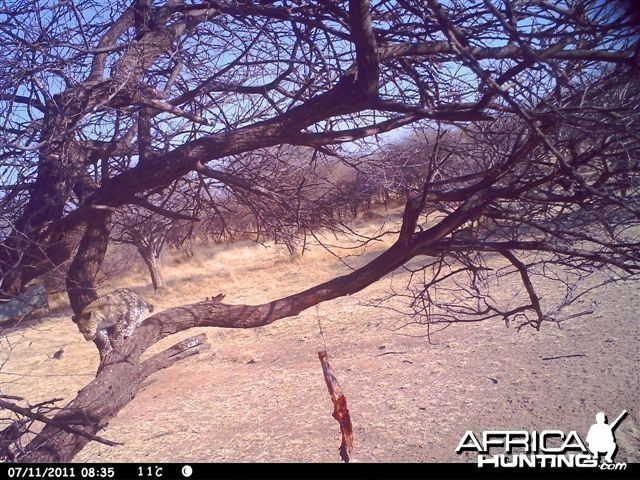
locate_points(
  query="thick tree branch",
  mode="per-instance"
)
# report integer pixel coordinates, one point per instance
(166, 358)
(108, 40)
(398, 50)
(366, 51)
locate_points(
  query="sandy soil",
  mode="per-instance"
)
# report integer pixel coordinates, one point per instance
(259, 395)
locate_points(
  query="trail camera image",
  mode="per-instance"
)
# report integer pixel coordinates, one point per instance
(317, 231)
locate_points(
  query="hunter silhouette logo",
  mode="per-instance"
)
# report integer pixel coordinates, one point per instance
(600, 437)
(548, 448)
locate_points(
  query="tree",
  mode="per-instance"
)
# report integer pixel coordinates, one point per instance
(108, 104)
(171, 220)
(149, 235)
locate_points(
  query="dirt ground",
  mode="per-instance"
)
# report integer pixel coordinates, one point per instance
(259, 395)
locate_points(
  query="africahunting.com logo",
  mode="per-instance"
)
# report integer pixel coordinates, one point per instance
(549, 448)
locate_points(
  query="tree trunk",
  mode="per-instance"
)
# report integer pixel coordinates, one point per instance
(154, 264)
(81, 276)
(86, 264)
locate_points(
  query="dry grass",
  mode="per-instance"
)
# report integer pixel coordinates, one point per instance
(259, 395)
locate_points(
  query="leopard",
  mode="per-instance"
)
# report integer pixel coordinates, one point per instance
(112, 317)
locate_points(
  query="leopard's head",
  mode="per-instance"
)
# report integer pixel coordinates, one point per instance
(87, 324)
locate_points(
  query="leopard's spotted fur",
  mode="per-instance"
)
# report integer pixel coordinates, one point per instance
(112, 317)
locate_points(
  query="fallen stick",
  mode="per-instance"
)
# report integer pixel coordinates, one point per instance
(340, 410)
(565, 356)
